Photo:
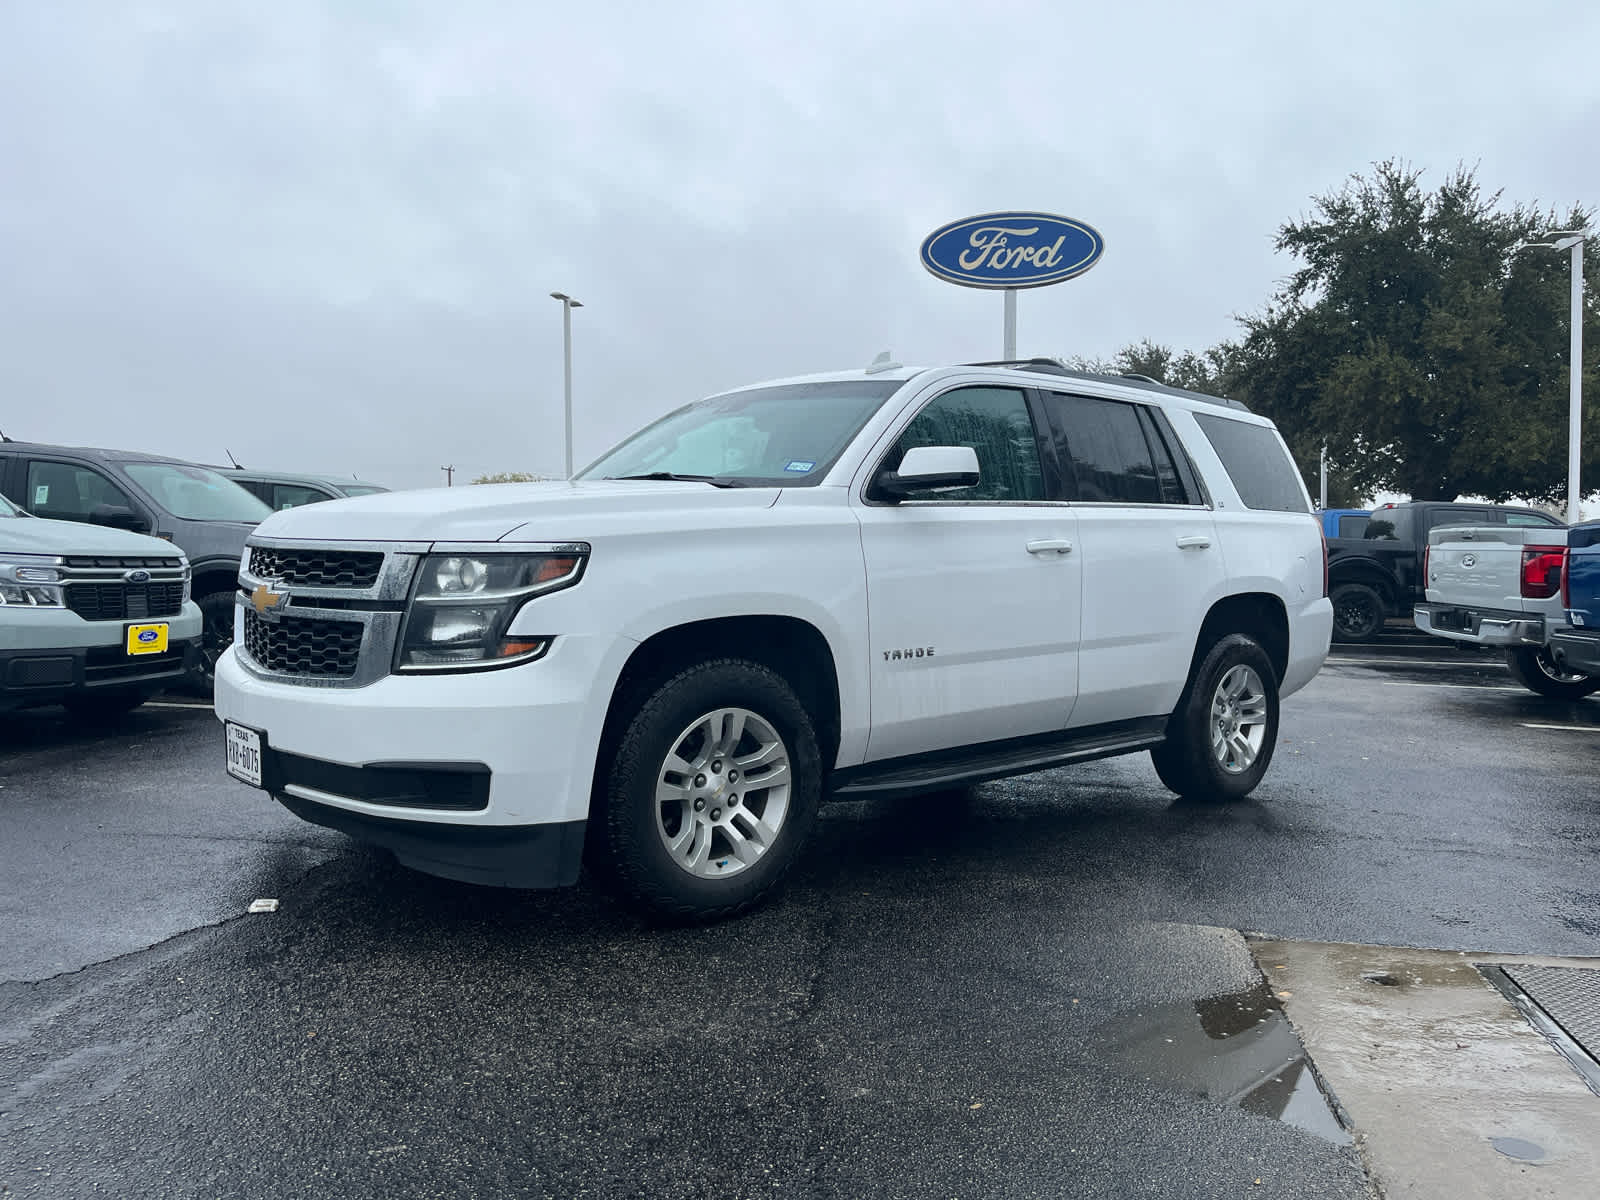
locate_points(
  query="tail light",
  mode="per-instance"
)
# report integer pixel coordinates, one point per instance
(1566, 578)
(1324, 564)
(1542, 571)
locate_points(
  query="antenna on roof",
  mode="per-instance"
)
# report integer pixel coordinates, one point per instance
(882, 363)
(3, 437)
(232, 459)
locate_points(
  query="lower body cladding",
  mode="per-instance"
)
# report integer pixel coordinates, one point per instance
(1480, 626)
(1577, 650)
(482, 776)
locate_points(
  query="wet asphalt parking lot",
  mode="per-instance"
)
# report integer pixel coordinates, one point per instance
(972, 995)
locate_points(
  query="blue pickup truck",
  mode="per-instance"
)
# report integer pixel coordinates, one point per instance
(1577, 648)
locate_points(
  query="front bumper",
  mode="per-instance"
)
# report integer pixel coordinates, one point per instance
(483, 776)
(1480, 626)
(1577, 650)
(48, 655)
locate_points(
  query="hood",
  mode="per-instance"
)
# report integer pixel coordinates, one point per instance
(558, 511)
(35, 535)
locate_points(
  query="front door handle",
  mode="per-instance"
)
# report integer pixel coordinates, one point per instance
(1050, 546)
(1198, 541)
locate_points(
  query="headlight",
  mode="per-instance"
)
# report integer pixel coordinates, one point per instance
(463, 603)
(31, 581)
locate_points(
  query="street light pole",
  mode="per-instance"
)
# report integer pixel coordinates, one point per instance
(1573, 240)
(567, 305)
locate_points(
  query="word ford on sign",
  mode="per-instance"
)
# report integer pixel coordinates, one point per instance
(1011, 250)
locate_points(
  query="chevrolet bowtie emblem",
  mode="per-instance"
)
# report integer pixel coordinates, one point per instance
(264, 598)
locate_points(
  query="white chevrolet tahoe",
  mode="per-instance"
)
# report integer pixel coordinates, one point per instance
(847, 585)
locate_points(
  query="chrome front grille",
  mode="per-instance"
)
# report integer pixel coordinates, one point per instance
(323, 614)
(305, 646)
(354, 570)
(100, 589)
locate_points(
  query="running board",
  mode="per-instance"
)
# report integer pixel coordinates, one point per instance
(995, 760)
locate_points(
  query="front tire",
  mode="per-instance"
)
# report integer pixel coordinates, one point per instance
(216, 635)
(1358, 612)
(1221, 736)
(712, 791)
(1534, 669)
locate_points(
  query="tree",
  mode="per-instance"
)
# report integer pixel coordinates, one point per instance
(509, 477)
(1420, 343)
(1203, 372)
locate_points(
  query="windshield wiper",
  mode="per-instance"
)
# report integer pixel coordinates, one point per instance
(721, 481)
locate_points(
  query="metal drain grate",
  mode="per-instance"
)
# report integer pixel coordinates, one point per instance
(1571, 997)
(1563, 1003)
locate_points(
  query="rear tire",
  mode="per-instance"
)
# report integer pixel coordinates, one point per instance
(712, 791)
(1221, 736)
(1358, 612)
(1534, 669)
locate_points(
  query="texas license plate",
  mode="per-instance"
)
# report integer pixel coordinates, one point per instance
(244, 754)
(147, 639)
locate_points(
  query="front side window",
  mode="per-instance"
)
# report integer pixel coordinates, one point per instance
(1258, 464)
(785, 436)
(68, 492)
(196, 493)
(996, 424)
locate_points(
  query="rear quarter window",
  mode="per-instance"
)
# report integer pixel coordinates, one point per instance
(1262, 472)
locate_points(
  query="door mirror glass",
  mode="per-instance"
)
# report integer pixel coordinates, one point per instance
(931, 469)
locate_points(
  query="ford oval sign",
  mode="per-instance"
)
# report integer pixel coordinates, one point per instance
(1011, 250)
(148, 635)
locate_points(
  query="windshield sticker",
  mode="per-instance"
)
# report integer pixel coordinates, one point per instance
(801, 466)
(41, 493)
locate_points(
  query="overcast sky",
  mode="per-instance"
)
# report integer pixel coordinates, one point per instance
(322, 234)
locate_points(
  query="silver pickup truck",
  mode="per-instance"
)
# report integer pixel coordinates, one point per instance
(96, 619)
(1499, 585)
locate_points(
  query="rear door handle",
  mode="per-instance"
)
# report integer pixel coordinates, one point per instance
(1050, 546)
(1197, 541)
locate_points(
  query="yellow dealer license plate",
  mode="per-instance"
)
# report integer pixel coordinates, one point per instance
(147, 639)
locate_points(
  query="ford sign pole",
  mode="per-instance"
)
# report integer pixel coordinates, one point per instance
(1008, 251)
(567, 305)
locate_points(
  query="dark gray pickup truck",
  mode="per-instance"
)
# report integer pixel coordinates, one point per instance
(1379, 575)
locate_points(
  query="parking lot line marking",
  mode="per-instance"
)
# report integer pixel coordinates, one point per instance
(176, 704)
(1564, 728)
(1460, 687)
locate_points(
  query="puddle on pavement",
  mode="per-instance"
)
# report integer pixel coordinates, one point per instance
(1236, 1049)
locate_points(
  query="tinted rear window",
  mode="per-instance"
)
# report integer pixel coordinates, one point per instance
(1262, 472)
(1353, 526)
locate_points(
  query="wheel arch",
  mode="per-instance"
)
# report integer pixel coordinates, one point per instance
(790, 646)
(1261, 615)
(1363, 572)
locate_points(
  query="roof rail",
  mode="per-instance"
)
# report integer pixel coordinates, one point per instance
(1054, 366)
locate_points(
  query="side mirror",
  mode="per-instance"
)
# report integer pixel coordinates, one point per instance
(927, 469)
(117, 517)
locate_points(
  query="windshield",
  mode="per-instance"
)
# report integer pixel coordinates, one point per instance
(195, 493)
(784, 436)
(360, 489)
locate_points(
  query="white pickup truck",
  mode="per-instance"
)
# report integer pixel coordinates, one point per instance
(858, 584)
(1500, 585)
